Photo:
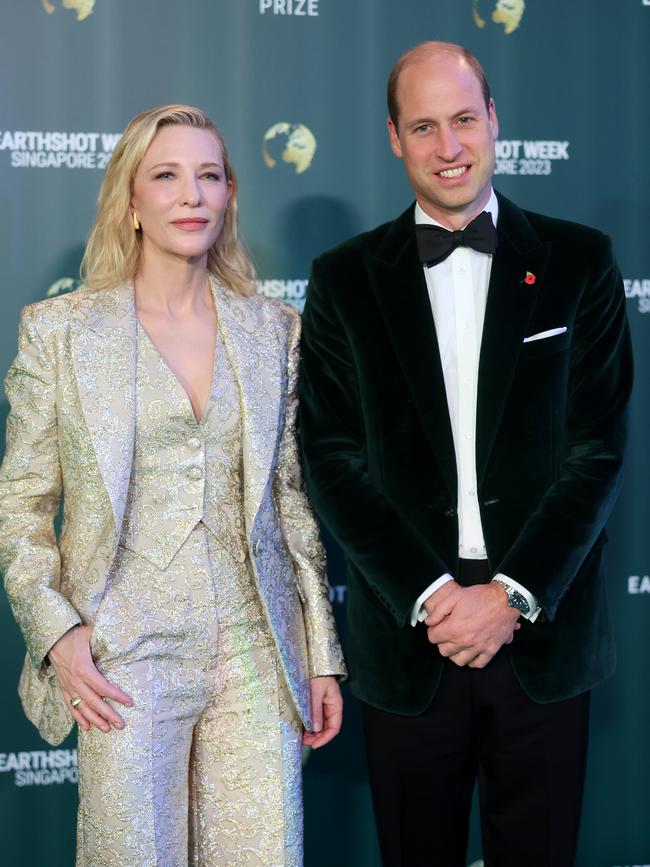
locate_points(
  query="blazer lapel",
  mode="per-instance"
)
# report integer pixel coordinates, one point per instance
(103, 330)
(510, 304)
(256, 361)
(400, 288)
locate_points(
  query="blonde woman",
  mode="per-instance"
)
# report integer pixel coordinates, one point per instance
(182, 619)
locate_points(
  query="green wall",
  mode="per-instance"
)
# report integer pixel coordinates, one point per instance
(572, 74)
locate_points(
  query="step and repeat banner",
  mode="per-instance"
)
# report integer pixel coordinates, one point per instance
(298, 89)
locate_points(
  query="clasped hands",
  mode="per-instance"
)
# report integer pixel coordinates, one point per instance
(470, 624)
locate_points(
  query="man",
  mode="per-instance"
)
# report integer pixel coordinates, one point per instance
(463, 425)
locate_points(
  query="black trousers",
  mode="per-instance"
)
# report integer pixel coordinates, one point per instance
(529, 759)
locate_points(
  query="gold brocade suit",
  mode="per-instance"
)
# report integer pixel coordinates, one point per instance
(70, 434)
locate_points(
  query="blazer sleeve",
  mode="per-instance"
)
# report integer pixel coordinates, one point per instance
(396, 562)
(30, 494)
(301, 534)
(558, 536)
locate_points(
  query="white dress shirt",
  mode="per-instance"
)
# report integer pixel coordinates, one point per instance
(458, 288)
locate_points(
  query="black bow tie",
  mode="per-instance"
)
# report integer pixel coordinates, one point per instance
(435, 243)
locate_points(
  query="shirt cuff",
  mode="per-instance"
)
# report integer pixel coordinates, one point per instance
(533, 604)
(419, 612)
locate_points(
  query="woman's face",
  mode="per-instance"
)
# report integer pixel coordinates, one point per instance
(180, 193)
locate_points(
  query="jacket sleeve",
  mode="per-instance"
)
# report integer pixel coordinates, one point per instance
(301, 534)
(395, 560)
(30, 494)
(558, 536)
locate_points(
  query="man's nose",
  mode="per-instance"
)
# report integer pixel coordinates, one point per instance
(448, 146)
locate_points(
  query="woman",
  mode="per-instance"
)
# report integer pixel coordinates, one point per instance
(182, 619)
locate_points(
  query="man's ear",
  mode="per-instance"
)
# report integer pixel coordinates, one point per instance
(494, 120)
(395, 146)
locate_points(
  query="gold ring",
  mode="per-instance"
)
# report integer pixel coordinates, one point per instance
(75, 702)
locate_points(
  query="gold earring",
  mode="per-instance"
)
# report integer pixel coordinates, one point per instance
(136, 222)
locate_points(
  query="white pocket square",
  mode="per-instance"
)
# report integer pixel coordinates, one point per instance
(552, 332)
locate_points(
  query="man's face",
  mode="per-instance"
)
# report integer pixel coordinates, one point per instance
(445, 136)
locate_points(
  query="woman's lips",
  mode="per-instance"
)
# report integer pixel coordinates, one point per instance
(193, 224)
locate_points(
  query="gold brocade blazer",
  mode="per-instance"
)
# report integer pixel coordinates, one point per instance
(70, 435)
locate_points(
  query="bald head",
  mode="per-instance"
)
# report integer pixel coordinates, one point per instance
(423, 53)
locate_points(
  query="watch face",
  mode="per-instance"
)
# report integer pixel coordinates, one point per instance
(516, 600)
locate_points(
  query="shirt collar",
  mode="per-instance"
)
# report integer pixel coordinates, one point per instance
(492, 208)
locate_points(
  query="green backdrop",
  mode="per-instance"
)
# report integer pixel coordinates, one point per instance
(297, 87)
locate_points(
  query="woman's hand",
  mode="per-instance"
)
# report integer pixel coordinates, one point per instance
(327, 711)
(78, 678)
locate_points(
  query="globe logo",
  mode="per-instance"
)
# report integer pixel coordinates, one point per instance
(62, 286)
(83, 8)
(292, 143)
(506, 12)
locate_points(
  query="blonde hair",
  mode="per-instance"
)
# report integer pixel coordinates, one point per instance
(114, 249)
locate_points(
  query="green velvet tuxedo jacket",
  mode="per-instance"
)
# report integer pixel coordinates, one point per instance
(551, 417)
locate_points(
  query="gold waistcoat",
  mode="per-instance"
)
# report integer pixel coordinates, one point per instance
(183, 471)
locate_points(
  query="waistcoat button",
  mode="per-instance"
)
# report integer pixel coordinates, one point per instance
(194, 443)
(195, 473)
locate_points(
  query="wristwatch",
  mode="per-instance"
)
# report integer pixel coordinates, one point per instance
(515, 599)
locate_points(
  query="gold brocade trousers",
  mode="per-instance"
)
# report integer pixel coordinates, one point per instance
(207, 770)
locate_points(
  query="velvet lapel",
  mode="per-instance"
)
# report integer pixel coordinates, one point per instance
(103, 329)
(398, 282)
(256, 359)
(510, 304)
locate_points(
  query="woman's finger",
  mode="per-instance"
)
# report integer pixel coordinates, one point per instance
(94, 708)
(92, 687)
(330, 712)
(106, 689)
(91, 708)
(78, 718)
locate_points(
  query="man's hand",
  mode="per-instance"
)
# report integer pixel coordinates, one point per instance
(327, 711)
(470, 624)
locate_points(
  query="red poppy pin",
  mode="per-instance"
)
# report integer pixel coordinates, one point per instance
(529, 278)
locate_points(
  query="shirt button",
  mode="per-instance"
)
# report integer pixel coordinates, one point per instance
(468, 436)
(473, 550)
(467, 380)
(195, 473)
(471, 492)
(194, 443)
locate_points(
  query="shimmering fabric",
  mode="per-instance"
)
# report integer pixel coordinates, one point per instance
(71, 432)
(213, 734)
(212, 743)
(183, 471)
